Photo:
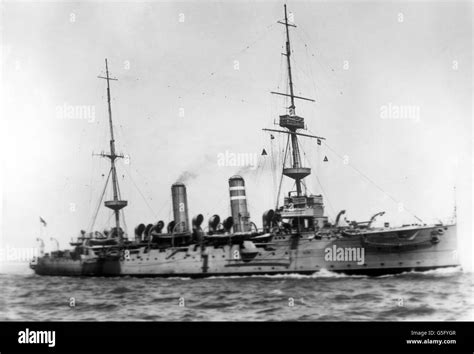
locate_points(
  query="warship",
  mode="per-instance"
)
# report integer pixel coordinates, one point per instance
(295, 237)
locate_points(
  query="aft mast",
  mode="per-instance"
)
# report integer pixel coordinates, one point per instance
(116, 204)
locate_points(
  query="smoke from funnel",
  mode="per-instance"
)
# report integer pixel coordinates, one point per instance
(186, 176)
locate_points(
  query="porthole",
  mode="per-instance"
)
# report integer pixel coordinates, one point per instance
(382, 264)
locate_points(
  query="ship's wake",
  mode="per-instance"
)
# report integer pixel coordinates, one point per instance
(440, 272)
(327, 274)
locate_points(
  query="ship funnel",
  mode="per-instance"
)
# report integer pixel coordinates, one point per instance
(180, 207)
(238, 204)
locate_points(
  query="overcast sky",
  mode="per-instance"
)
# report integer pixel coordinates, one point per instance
(194, 82)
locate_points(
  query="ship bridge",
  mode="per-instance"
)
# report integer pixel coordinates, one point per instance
(310, 209)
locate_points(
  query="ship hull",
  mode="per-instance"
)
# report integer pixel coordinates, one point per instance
(296, 254)
(374, 253)
(66, 267)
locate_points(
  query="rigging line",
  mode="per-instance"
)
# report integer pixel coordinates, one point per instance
(99, 138)
(273, 165)
(100, 201)
(280, 79)
(107, 222)
(166, 204)
(272, 97)
(153, 213)
(220, 95)
(118, 185)
(319, 61)
(142, 177)
(309, 60)
(120, 197)
(264, 33)
(281, 178)
(221, 204)
(326, 195)
(257, 171)
(303, 160)
(266, 30)
(375, 184)
(90, 181)
(321, 56)
(322, 189)
(124, 222)
(303, 182)
(300, 68)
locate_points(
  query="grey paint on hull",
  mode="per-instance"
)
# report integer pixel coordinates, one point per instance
(284, 254)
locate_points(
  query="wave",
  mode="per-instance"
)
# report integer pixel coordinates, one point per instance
(120, 290)
(323, 273)
(413, 313)
(449, 271)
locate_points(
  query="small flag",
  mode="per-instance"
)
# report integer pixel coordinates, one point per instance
(319, 141)
(264, 153)
(42, 221)
(326, 159)
(272, 137)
